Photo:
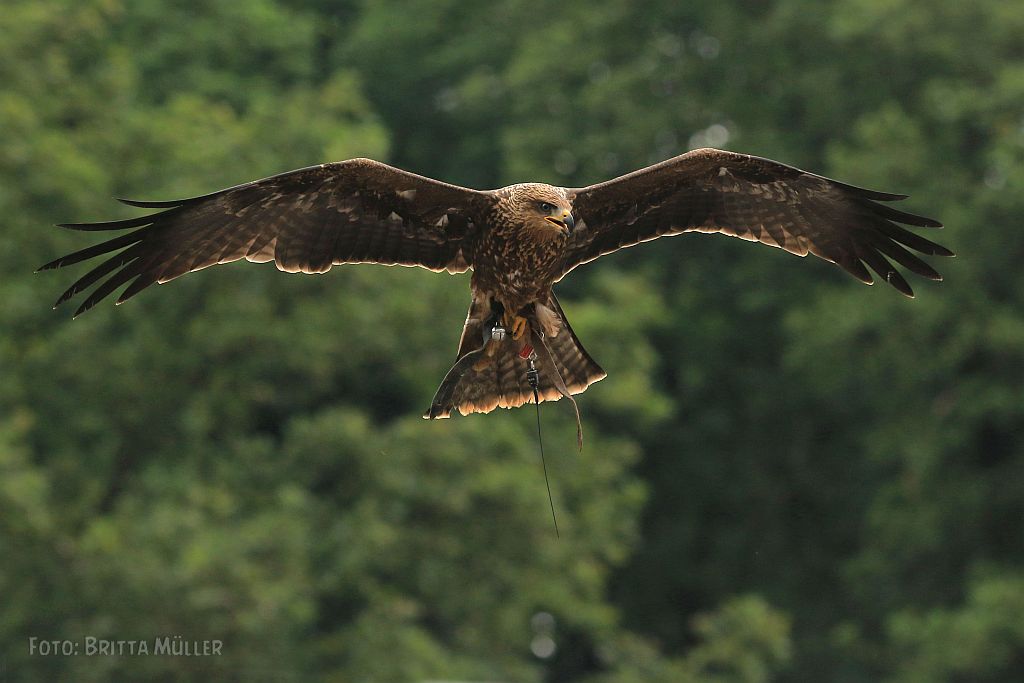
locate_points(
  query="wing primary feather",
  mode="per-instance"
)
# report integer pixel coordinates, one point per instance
(278, 178)
(864, 192)
(855, 267)
(902, 216)
(900, 283)
(95, 250)
(905, 258)
(913, 240)
(885, 270)
(108, 286)
(141, 282)
(136, 222)
(173, 203)
(96, 273)
(170, 203)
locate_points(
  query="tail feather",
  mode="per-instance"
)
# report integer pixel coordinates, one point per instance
(480, 387)
(577, 368)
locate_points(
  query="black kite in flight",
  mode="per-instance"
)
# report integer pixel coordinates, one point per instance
(518, 241)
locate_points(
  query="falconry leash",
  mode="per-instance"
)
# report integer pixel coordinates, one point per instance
(533, 377)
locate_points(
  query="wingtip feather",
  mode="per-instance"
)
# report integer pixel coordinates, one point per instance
(900, 284)
(866, 193)
(82, 309)
(142, 204)
(52, 265)
(136, 222)
(883, 196)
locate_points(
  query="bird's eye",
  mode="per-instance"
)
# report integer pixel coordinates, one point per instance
(547, 208)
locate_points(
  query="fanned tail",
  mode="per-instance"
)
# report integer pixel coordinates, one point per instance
(476, 385)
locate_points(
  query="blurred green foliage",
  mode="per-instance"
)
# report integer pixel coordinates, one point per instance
(787, 476)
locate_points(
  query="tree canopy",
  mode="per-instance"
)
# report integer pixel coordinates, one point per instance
(787, 477)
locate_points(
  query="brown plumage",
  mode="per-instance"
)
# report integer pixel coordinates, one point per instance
(518, 241)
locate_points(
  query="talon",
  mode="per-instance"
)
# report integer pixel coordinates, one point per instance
(519, 327)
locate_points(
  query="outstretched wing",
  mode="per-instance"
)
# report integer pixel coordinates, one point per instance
(708, 190)
(356, 211)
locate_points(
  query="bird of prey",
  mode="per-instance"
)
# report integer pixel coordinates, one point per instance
(518, 241)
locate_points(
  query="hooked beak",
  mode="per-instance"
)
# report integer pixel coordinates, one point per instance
(566, 221)
(570, 222)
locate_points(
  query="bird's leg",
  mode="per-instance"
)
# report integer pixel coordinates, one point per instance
(490, 343)
(517, 324)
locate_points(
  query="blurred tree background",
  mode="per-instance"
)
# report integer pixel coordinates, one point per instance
(788, 476)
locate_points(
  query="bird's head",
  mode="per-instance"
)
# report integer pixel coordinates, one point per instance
(544, 208)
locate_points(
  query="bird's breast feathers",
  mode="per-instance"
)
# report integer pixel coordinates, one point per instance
(515, 265)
